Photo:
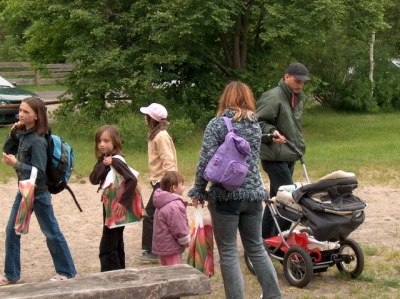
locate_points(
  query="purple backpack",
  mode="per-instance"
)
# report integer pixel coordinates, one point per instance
(228, 165)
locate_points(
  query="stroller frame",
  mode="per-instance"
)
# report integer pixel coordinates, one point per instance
(300, 262)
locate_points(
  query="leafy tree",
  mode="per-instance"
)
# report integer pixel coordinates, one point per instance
(181, 53)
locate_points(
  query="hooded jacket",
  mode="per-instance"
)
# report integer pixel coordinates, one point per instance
(162, 156)
(275, 113)
(171, 227)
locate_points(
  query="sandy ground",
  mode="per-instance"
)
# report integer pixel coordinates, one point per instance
(83, 230)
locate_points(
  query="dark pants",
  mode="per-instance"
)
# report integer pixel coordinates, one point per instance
(147, 233)
(112, 252)
(279, 173)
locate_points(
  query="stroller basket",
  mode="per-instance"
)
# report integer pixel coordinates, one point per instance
(328, 206)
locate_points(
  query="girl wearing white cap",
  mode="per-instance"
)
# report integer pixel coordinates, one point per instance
(162, 158)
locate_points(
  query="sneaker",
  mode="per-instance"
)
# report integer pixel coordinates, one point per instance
(148, 256)
(59, 277)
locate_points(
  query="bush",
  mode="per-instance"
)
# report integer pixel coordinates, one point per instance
(131, 125)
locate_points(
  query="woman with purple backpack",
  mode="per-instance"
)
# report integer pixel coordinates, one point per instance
(241, 208)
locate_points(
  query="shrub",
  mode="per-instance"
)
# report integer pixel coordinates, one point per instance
(131, 124)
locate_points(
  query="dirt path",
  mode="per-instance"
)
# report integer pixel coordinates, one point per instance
(83, 230)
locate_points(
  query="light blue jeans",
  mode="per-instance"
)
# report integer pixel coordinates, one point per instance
(55, 240)
(247, 217)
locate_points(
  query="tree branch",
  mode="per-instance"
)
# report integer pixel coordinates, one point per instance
(218, 64)
(227, 52)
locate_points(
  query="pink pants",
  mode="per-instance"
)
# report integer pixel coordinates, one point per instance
(169, 260)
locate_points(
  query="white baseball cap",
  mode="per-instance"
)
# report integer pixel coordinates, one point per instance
(156, 111)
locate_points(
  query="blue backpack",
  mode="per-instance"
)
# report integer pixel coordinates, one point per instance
(228, 165)
(60, 163)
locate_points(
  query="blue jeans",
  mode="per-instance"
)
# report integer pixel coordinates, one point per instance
(55, 240)
(245, 216)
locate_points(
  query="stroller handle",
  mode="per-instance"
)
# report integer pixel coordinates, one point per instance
(288, 142)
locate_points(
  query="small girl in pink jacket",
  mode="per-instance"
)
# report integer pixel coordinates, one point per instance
(171, 228)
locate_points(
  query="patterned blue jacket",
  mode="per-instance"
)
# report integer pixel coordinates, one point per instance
(214, 135)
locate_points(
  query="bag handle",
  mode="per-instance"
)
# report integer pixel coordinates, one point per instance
(228, 123)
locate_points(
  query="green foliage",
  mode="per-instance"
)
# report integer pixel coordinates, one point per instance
(130, 122)
(135, 50)
(10, 49)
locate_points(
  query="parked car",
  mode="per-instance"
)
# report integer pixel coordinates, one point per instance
(10, 94)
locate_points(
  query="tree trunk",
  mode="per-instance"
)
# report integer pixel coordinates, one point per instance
(372, 64)
(236, 45)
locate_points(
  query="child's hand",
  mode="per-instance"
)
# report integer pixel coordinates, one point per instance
(18, 125)
(120, 210)
(9, 159)
(107, 160)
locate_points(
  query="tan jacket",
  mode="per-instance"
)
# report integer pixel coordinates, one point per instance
(162, 156)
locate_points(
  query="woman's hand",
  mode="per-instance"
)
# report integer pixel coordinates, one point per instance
(196, 202)
(9, 159)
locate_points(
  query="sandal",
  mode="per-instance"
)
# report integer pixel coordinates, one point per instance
(59, 277)
(5, 281)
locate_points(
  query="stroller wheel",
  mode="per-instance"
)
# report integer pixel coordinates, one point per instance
(352, 258)
(298, 267)
(249, 264)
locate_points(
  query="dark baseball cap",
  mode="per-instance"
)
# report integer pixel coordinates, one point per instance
(298, 70)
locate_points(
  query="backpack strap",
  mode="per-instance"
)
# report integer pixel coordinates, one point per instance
(74, 198)
(228, 123)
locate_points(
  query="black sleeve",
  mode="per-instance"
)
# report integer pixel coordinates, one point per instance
(99, 172)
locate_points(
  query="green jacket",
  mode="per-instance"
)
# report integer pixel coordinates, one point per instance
(275, 113)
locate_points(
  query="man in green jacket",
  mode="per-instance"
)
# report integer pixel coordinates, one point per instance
(279, 113)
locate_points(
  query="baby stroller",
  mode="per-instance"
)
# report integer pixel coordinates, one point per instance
(328, 212)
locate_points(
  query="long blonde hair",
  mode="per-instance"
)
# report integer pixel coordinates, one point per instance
(155, 126)
(239, 97)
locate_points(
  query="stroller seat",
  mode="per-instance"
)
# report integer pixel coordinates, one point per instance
(327, 206)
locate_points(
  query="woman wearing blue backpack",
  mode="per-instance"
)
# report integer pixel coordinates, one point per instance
(240, 209)
(26, 139)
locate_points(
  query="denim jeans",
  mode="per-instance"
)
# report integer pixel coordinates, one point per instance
(55, 240)
(246, 217)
